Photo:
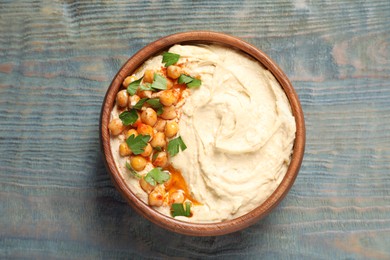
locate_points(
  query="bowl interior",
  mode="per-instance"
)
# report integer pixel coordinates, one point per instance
(200, 229)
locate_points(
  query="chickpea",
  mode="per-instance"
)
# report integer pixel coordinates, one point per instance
(149, 116)
(147, 151)
(144, 129)
(176, 197)
(160, 125)
(138, 163)
(174, 71)
(158, 140)
(171, 129)
(168, 113)
(124, 150)
(116, 126)
(133, 100)
(131, 132)
(167, 98)
(126, 82)
(145, 94)
(122, 98)
(146, 186)
(169, 84)
(161, 159)
(148, 76)
(155, 198)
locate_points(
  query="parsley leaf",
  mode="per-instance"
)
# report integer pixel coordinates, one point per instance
(140, 103)
(170, 58)
(133, 86)
(137, 144)
(133, 172)
(146, 86)
(129, 117)
(178, 209)
(157, 176)
(159, 82)
(174, 145)
(189, 81)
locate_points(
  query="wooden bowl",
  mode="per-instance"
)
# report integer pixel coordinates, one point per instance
(188, 228)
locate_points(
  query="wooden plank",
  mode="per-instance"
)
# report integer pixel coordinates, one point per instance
(57, 59)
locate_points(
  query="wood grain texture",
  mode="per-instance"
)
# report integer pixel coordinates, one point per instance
(57, 59)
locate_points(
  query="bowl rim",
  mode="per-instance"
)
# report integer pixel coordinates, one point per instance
(184, 227)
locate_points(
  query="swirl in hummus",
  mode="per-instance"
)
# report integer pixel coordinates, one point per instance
(238, 128)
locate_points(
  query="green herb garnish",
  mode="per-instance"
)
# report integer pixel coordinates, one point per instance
(157, 175)
(170, 58)
(155, 103)
(140, 103)
(146, 86)
(175, 145)
(159, 82)
(178, 209)
(137, 144)
(133, 172)
(189, 81)
(133, 86)
(129, 117)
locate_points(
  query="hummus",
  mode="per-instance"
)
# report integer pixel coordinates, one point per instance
(238, 128)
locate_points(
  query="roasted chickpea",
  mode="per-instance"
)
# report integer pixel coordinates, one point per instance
(174, 71)
(138, 163)
(158, 140)
(138, 122)
(146, 186)
(148, 76)
(145, 94)
(167, 98)
(116, 126)
(171, 129)
(155, 198)
(126, 82)
(168, 113)
(176, 197)
(161, 159)
(122, 98)
(133, 100)
(169, 84)
(131, 132)
(149, 116)
(147, 151)
(124, 150)
(160, 125)
(144, 129)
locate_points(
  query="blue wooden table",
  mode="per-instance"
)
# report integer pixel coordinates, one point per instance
(57, 59)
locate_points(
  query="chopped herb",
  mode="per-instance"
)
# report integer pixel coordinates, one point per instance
(194, 83)
(170, 58)
(133, 172)
(140, 103)
(154, 103)
(178, 209)
(145, 87)
(133, 86)
(174, 145)
(159, 82)
(157, 176)
(137, 144)
(158, 148)
(129, 117)
(189, 81)
(154, 157)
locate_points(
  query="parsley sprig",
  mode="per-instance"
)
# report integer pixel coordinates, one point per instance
(157, 175)
(178, 209)
(170, 58)
(137, 144)
(189, 81)
(175, 145)
(133, 86)
(128, 117)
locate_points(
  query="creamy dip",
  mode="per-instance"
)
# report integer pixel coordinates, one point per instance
(238, 128)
